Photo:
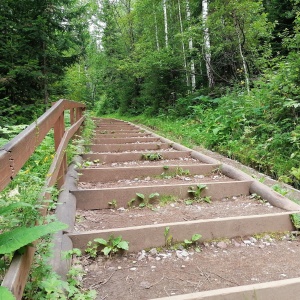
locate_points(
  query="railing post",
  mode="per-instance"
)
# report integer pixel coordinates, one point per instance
(72, 116)
(59, 130)
(78, 116)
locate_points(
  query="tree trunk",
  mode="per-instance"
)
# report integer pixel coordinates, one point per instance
(183, 46)
(207, 53)
(166, 22)
(156, 29)
(193, 73)
(246, 73)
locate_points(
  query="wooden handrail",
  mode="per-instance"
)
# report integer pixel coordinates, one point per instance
(14, 155)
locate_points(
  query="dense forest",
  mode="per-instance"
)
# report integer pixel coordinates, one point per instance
(226, 70)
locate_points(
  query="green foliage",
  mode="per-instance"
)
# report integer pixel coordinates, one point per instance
(152, 156)
(168, 237)
(113, 203)
(39, 41)
(5, 294)
(296, 220)
(144, 201)
(195, 193)
(22, 236)
(193, 241)
(109, 247)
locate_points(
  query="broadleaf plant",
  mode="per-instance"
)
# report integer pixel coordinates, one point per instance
(22, 236)
(5, 294)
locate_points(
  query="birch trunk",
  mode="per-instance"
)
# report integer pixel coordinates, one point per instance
(193, 73)
(166, 22)
(183, 46)
(207, 53)
(238, 32)
(156, 29)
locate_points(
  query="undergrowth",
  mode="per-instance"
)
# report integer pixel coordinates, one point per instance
(19, 206)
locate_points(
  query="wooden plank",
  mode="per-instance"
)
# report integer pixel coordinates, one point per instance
(104, 131)
(275, 290)
(122, 157)
(127, 147)
(117, 173)
(125, 140)
(57, 160)
(16, 277)
(6, 171)
(99, 198)
(152, 236)
(121, 135)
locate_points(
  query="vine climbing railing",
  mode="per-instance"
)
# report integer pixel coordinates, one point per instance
(15, 154)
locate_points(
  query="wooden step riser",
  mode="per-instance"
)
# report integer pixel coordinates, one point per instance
(117, 127)
(121, 135)
(98, 199)
(104, 132)
(117, 173)
(122, 157)
(125, 140)
(150, 236)
(274, 290)
(127, 147)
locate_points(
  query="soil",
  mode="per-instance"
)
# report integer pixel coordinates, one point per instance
(166, 162)
(177, 211)
(149, 181)
(220, 264)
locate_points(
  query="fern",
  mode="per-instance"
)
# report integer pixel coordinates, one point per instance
(5, 294)
(17, 238)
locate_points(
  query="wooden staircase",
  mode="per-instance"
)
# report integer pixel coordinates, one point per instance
(117, 167)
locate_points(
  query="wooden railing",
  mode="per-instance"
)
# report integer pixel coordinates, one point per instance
(14, 155)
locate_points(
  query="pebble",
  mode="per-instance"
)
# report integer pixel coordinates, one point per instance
(132, 269)
(153, 251)
(145, 284)
(222, 245)
(247, 242)
(142, 255)
(182, 254)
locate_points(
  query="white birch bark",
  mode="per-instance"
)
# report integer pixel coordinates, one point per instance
(193, 73)
(247, 81)
(183, 46)
(207, 52)
(156, 29)
(166, 22)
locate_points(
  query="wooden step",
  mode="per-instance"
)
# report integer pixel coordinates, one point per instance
(120, 131)
(125, 140)
(127, 147)
(121, 134)
(131, 156)
(108, 174)
(149, 236)
(99, 198)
